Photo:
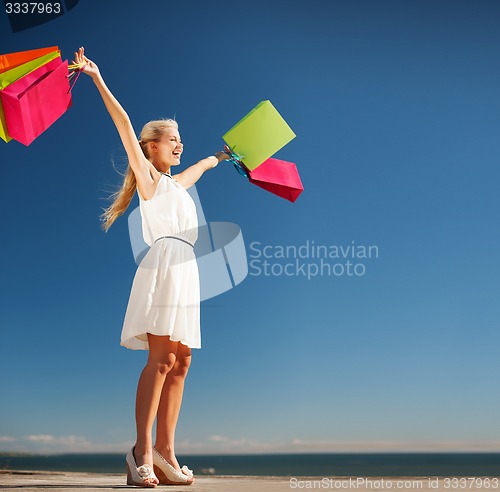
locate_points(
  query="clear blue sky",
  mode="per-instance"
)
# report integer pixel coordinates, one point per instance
(396, 109)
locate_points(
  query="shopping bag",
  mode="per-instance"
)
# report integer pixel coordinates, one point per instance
(36, 101)
(13, 74)
(6, 78)
(279, 177)
(260, 134)
(274, 175)
(4, 134)
(13, 60)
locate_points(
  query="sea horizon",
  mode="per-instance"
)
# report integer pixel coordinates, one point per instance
(438, 464)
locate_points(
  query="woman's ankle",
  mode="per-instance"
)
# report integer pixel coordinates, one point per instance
(143, 453)
(169, 454)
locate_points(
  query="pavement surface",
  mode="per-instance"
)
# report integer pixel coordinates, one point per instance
(28, 481)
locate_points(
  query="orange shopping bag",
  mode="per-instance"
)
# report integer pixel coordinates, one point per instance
(13, 60)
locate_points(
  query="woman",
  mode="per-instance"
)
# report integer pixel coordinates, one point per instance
(163, 310)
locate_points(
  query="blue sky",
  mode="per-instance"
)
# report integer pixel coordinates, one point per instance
(395, 106)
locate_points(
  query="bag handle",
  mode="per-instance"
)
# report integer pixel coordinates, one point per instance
(75, 69)
(236, 160)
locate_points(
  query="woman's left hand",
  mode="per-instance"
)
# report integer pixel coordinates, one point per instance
(89, 67)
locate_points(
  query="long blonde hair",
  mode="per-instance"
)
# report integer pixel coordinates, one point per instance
(151, 132)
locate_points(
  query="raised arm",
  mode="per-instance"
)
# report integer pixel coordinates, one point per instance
(138, 162)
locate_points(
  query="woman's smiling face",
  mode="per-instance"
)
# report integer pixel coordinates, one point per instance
(169, 148)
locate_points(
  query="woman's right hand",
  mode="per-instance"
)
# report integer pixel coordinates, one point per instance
(90, 67)
(222, 156)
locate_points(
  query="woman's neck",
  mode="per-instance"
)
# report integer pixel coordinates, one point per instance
(164, 171)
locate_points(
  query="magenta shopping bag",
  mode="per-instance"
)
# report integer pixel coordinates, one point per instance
(35, 101)
(278, 177)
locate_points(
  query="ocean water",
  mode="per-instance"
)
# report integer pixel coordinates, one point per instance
(321, 465)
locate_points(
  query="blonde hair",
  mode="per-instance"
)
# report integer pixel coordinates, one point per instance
(151, 132)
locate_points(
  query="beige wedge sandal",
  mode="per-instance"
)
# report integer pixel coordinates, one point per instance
(138, 475)
(167, 474)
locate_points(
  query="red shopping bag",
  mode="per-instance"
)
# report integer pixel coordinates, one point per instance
(35, 101)
(278, 177)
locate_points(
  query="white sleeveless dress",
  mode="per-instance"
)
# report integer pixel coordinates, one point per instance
(165, 294)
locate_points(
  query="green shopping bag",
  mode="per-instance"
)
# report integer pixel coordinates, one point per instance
(260, 134)
(10, 76)
(4, 134)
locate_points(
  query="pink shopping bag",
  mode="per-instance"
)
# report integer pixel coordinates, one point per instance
(34, 102)
(278, 177)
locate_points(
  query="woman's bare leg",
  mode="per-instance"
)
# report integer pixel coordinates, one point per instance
(160, 362)
(170, 405)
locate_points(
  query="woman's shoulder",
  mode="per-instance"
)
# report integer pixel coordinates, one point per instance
(150, 190)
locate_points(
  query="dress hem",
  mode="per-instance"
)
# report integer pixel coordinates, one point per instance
(143, 345)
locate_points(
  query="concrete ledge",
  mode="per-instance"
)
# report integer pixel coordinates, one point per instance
(29, 481)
